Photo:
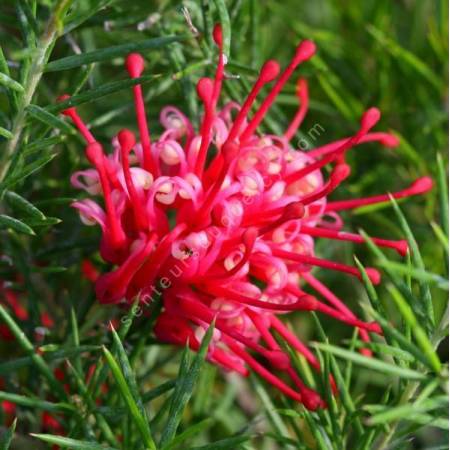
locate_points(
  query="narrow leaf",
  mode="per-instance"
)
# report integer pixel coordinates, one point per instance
(108, 53)
(129, 374)
(101, 91)
(419, 333)
(7, 436)
(26, 171)
(70, 443)
(15, 224)
(231, 443)
(49, 119)
(371, 363)
(139, 420)
(184, 388)
(17, 201)
(9, 83)
(6, 133)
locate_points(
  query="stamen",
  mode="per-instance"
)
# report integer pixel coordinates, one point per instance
(420, 186)
(305, 51)
(95, 155)
(112, 286)
(248, 239)
(292, 211)
(229, 151)
(205, 90)
(77, 121)
(218, 39)
(127, 141)
(339, 315)
(262, 329)
(210, 102)
(305, 303)
(293, 341)
(311, 399)
(268, 73)
(338, 175)
(337, 303)
(400, 246)
(262, 371)
(372, 273)
(368, 121)
(222, 357)
(302, 94)
(134, 65)
(386, 139)
(175, 330)
(196, 310)
(149, 270)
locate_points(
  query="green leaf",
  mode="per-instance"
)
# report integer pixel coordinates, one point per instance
(231, 443)
(101, 91)
(9, 83)
(440, 234)
(49, 119)
(347, 400)
(124, 388)
(66, 442)
(90, 402)
(384, 349)
(15, 224)
(34, 402)
(43, 144)
(184, 388)
(26, 171)
(22, 204)
(425, 292)
(129, 374)
(443, 194)
(12, 97)
(76, 17)
(191, 431)
(159, 390)
(418, 274)
(419, 333)
(5, 133)
(408, 411)
(32, 26)
(108, 53)
(370, 289)
(7, 436)
(272, 414)
(52, 356)
(416, 304)
(371, 363)
(48, 221)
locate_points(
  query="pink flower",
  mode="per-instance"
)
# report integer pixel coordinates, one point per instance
(221, 223)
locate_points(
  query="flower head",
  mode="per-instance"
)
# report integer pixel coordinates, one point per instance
(221, 222)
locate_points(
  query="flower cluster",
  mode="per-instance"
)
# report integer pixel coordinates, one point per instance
(221, 222)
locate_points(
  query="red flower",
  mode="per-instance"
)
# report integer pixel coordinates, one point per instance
(221, 223)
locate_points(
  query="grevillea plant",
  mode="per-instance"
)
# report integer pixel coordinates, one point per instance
(220, 222)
